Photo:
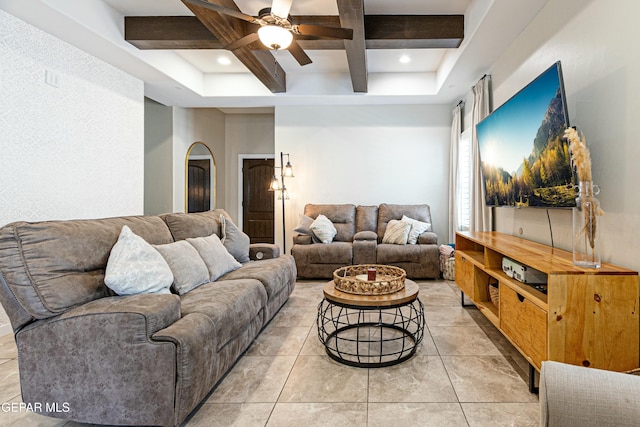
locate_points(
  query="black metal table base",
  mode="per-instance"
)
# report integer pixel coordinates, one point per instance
(370, 337)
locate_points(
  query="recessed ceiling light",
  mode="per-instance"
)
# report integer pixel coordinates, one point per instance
(405, 59)
(224, 60)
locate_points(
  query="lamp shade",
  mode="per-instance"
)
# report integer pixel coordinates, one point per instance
(275, 184)
(275, 37)
(288, 170)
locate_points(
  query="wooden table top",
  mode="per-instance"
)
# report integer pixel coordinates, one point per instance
(403, 296)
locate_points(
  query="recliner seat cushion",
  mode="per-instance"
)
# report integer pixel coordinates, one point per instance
(390, 253)
(230, 304)
(274, 274)
(332, 253)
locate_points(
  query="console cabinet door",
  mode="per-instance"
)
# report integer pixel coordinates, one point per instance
(464, 274)
(524, 323)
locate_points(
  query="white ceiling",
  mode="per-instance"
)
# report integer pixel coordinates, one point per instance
(196, 78)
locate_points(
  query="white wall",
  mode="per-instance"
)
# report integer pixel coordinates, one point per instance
(71, 151)
(597, 42)
(365, 155)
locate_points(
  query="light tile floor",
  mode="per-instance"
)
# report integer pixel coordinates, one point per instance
(465, 373)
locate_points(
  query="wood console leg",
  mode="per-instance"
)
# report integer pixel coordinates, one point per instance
(532, 380)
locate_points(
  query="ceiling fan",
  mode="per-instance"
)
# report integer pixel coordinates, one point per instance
(276, 29)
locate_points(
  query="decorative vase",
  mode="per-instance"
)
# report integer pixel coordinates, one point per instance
(586, 252)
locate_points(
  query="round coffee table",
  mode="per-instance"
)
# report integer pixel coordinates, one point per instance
(371, 331)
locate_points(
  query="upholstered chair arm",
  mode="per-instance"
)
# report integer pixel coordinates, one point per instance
(428, 238)
(258, 251)
(101, 355)
(302, 239)
(365, 244)
(587, 397)
(365, 235)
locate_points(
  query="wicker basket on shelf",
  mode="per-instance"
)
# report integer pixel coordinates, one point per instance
(353, 279)
(494, 293)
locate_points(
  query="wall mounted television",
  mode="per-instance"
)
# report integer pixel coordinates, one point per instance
(525, 161)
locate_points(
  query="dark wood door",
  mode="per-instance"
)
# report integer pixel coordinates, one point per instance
(257, 200)
(199, 186)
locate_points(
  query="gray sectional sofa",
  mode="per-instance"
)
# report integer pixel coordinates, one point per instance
(88, 355)
(360, 230)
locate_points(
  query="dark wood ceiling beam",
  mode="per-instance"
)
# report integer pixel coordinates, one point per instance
(227, 30)
(409, 32)
(168, 32)
(351, 14)
(414, 31)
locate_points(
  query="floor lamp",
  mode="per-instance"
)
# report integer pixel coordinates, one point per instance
(286, 171)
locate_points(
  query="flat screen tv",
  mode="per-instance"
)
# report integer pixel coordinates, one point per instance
(525, 161)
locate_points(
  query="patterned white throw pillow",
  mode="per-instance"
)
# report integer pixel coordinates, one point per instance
(397, 232)
(135, 267)
(417, 228)
(323, 229)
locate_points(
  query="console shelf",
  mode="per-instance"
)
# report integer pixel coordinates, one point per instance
(588, 317)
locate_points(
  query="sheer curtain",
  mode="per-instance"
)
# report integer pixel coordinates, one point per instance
(480, 214)
(454, 188)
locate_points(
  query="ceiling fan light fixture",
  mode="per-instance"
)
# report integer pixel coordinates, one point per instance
(275, 37)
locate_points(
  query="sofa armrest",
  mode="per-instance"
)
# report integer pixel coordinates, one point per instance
(101, 355)
(428, 238)
(197, 345)
(365, 235)
(574, 395)
(365, 248)
(302, 239)
(158, 310)
(258, 251)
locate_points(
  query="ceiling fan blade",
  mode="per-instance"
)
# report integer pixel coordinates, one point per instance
(320, 31)
(281, 8)
(299, 54)
(244, 41)
(224, 10)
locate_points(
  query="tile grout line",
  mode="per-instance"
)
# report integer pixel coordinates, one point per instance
(288, 375)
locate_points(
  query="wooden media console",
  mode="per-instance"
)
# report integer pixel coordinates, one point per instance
(587, 317)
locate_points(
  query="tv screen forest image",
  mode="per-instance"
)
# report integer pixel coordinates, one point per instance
(525, 161)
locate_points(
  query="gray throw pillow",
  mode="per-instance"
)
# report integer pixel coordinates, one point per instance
(135, 267)
(188, 268)
(218, 260)
(304, 227)
(236, 242)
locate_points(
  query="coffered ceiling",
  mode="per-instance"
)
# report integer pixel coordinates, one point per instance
(403, 51)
